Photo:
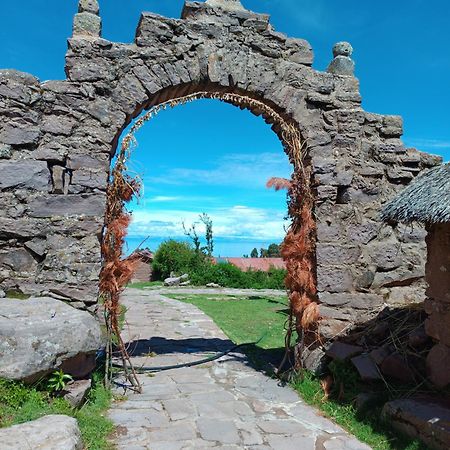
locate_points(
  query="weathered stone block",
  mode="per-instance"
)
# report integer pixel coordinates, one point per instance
(386, 255)
(87, 24)
(58, 125)
(18, 259)
(19, 134)
(68, 205)
(335, 254)
(334, 279)
(24, 174)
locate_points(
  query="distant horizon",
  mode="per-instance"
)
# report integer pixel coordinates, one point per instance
(231, 247)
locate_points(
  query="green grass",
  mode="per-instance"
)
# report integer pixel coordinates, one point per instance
(20, 403)
(145, 284)
(246, 319)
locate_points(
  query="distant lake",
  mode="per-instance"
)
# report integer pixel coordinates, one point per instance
(232, 247)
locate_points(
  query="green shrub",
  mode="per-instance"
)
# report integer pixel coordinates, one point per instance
(180, 257)
(173, 256)
(227, 275)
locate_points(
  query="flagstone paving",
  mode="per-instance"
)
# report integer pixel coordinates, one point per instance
(223, 404)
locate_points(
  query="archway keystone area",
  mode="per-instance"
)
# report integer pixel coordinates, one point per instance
(57, 139)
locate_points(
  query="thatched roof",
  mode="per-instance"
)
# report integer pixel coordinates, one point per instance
(426, 199)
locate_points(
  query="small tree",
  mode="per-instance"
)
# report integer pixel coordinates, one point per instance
(273, 251)
(254, 253)
(192, 234)
(206, 220)
(263, 253)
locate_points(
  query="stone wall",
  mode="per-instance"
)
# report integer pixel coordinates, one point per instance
(57, 139)
(437, 305)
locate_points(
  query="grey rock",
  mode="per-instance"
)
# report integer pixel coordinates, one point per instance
(26, 174)
(314, 360)
(37, 246)
(334, 279)
(47, 433)
(77, 391)
(342, 49)
(19, 134)
(212, 285)
(90, 6)
(5, 151)
(227, 5)
(356, 159)
(386, 255)
(176, 281)
(67, 205)
(39, 334)
(2, 294)
(18, 259)
(342, 65)
(87, 25)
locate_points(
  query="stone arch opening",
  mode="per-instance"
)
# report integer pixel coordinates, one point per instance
(298, 248)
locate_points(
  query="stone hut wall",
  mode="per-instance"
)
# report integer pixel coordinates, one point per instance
(437, 304)
(57, 139)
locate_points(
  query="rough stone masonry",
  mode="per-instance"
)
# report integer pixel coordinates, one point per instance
(57, 139)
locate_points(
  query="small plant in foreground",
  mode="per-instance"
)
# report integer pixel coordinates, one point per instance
(58, 381)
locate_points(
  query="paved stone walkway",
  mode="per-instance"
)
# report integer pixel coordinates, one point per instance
(224, 404)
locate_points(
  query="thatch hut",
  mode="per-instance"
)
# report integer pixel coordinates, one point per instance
(427, 200)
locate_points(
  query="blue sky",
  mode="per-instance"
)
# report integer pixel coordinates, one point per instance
(208, 156)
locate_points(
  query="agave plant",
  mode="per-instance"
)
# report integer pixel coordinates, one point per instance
(58, 381)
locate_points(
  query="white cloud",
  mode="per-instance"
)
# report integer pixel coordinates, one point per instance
(238, 221)
(428, 143)
(163, 199)
(246, 170)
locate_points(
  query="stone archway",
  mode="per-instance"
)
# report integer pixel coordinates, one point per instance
(67, 131)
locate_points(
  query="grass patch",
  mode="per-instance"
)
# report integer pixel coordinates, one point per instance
(145, 284)
(246, 319)
(20, 403)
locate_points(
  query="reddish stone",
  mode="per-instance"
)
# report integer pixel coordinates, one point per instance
(424, 418)
(438, 365)
(343, 351)
(396, 366)
(379, 354)
(437, 324)
(367, 369)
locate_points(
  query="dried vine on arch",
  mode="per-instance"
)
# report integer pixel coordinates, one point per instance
(297, 249)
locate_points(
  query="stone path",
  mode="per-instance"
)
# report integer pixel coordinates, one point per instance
(224, 404)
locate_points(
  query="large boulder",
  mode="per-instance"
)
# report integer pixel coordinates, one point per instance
(41, 334)
(47, 433)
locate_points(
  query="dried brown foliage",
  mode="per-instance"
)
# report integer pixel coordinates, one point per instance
(278, 183)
